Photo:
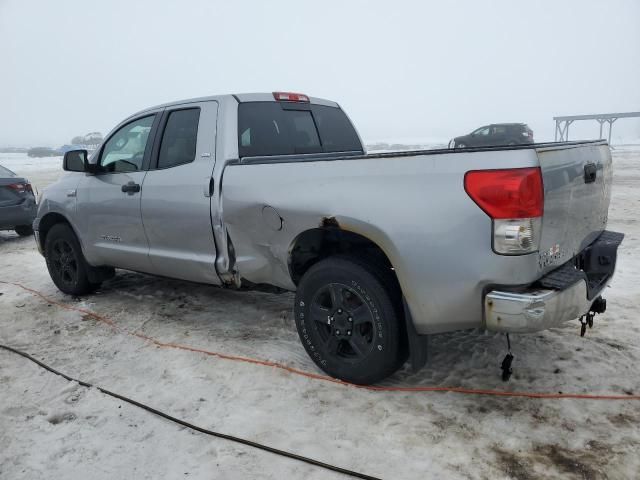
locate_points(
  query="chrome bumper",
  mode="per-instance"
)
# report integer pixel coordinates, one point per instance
(561, 295)
(535, 310)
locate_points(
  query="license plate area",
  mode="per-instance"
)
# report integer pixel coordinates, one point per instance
(598, 260)
(595, 265)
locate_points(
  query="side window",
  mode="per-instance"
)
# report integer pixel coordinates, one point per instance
(178, 145)
(482, 131)
(124, 151)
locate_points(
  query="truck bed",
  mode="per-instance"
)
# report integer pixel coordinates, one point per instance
(437, 239)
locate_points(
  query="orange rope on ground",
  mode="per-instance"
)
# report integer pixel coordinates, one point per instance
(315, 376)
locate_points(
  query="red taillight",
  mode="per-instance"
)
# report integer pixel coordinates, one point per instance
(20, 187)
(290, 97)
(508, 193)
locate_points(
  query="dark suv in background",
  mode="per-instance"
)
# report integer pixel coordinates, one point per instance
(495, 134)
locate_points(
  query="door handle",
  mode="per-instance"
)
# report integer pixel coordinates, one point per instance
(131, 188)
(590, 172)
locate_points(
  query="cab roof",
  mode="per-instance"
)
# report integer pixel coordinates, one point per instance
(239, 97)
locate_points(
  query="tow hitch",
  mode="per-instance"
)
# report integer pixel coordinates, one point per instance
(599, 306)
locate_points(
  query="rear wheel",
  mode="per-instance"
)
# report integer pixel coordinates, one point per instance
(65, 261)
(24, 230)
(348, 321)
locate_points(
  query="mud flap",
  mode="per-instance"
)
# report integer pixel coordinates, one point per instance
(418, 344)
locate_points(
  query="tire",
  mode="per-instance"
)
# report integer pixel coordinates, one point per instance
(24, 230)
(349, 320)
(65, 261)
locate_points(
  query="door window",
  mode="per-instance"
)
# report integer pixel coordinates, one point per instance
(481, 131)
(179, 139)
(124, 151)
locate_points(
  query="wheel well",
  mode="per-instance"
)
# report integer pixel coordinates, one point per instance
(48, 221)
(316, 244)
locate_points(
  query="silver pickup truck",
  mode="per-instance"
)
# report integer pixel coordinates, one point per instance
(381, 249)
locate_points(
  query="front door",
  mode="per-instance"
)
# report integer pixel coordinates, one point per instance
(176, 194)
(481, 137)
(109, 201)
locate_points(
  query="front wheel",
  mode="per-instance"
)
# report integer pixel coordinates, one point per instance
(348, 320)
(66, 264)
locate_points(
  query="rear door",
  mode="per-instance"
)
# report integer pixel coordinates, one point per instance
(498, 135)
(108, 203)
(577, 190)
(176, 194)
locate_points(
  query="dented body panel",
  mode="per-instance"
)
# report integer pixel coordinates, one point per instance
(414, 208)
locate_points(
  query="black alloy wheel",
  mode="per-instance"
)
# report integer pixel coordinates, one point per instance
(349, 319)
(66, 263)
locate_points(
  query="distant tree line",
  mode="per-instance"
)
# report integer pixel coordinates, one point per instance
(90, 141)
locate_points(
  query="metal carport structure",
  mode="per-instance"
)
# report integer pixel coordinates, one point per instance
(563, 123)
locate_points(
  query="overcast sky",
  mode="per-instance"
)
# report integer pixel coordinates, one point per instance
(401, 69)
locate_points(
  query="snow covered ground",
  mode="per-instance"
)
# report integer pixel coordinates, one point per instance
(50, 428)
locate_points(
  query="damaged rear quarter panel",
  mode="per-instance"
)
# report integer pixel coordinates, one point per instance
(413, 207)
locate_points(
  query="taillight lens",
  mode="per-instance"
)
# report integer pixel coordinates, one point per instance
(508, 193)
(20, 187)
(514, 199)
(517, 236)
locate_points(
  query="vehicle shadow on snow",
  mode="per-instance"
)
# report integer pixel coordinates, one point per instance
(263, 327)
(12, 238)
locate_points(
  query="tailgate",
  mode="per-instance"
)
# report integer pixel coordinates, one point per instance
(577, 189)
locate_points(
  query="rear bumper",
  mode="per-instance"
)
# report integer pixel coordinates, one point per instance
(565, 294)
(17, 215)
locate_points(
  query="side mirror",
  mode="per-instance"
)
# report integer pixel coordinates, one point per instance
(76, 161)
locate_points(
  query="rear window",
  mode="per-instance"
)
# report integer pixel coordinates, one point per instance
(5, 172)
(274, 128)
